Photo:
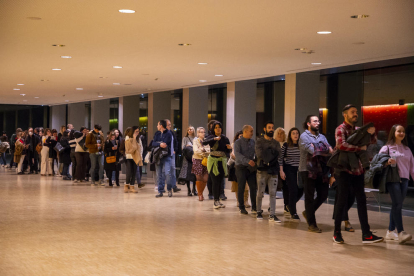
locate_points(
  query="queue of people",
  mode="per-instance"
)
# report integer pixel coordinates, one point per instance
(299, 163)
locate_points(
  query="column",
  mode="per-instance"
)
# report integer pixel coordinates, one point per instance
(77, 115)
(121, 114)
(57, 116)
(130, 115)
(159, 108)
(195, 108)
(301, 98)
(100, 114)
(241, 107)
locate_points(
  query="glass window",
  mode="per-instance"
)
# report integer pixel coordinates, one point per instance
(217, 105)
(113, 113)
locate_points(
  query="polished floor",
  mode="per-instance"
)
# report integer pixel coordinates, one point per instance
(51, 227)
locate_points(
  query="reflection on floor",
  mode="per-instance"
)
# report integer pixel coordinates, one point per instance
(51, 227)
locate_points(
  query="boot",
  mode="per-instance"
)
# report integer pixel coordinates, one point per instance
(199, 185)
(132, 190)
(126, 188)
(246, 199)
(189, 189)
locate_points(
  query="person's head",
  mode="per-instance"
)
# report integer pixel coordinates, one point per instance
(36, 130)
(70, 127)
(129, 132)
(65, 134)
(217, 128)
(30, 131)
(47, 132)
(168, 124)
(84, 130)
(40, 133)
(112, 136)
(397, 135)
(116, 132)
(97, 128)
(135, 130)
(19, 134)
(210, 126)
(201, 132)
(54, 132)
(238, 135)
(62, 129)
(312, 123)
(293, 136)
(4, 133)
(162, 125)
(280, 135)
(190, 131)
(269, 129)
(247, 131)
(18, 130)
(350, 113)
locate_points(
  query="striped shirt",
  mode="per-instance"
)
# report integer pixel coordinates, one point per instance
(290, 155)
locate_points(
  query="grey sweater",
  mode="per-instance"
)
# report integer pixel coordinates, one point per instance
(306, 141)
(244, 151)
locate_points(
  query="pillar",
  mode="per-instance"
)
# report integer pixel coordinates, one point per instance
(100, 114)
(57, 116)
(159, 108)
(130, 112)
(77, 115)
(195, 107)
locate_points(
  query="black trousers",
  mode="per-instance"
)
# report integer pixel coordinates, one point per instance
(295, 193)
(109, 175)
(12, 158)
(311, 203)
(209, 185)
(216, 180)
(131, 170)
(244, 175)
(346, 182)
(73, 159)
(350, 203)
(286, 192)
(81, 161)
(32, 159)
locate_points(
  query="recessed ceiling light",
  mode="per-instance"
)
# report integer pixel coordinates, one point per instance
(116, 83)
(36, 97)
(79, 88)
(316, 63)
(324, 32)
(117, 67)
(65, 56)
(184, 44)
(203, 81)
(100, 96)
(56, 69)
(203, 63)
(23, 95)
(17, 89)
(20, 84)
(58, 45)
(126, 11)
(218, 75)
(360, 16)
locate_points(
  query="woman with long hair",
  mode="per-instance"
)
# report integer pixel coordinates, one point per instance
(111, 149)
(280, 136)
(200, 151)
(289, 164)
(46, 167)
(187, 152)
(402, 158)
(133, 158)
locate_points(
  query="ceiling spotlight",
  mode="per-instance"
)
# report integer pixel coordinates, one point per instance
(126, 11)
(56, 69)
(65, 56)
(23, 95)
(184, 44)
(117, 67)
(17, 89)
(36, 97)
(203, 81)
(316, 63)
(324, 32)
(79, 88)
(116, 83)
(20, 84)
(360, 16)
(58, 45)
(202, 63)
(66, 100)
(100, 96)
(218, 75)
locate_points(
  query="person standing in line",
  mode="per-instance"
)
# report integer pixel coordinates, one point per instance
(163, 140)
(64, 155)
(210, 131)
(200, 152)
(174, 150)
(314, 150)
(268, 152)
(72, 144)
(280, 136)
(289, 164)
(187, 142)
(144, 143)
(132, 157)
(19, 152)
(51, 142)
(4, 145)
(244, 150)
(352, 179)
(60, 134)
(402, 158)
(13, 139)
(139, 166)
(46, 168)
(81, 154)
(111, 148)
(94, 143)
(31, 153)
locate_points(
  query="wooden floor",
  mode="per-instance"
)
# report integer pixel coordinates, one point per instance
(51, 227)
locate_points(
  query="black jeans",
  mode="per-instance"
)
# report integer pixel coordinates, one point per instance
(109, 175)
(285, 191)
(81, 161)
(131, 170)
(295, 193)
(12, 158)
(65, 170)
(344, 183)
(349, 204)
(32, 158)
(209, 185)
(311, 203)
(244, 175)
(216, 180)
(73, 159)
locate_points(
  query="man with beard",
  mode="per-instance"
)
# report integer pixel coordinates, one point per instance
(267, 152)
(314, 149)
(347, 180)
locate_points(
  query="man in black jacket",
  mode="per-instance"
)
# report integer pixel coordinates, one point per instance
(173, 152)
(31, 154)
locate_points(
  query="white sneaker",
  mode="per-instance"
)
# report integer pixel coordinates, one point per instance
(404, 237)
(391, 236)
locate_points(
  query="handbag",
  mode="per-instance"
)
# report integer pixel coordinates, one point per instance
(204, 161)
(392, 173)
(121, 159)
(59, 147)
(110, 159)
(39, 148)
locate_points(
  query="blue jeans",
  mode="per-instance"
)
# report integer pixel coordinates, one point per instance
(96, 160)
(164, 173)
(398, 191)
(3, 157)
(173, 171)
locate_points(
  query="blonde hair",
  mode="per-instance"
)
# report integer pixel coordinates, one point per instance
(279, 129)
(200, 128)
(190, 127)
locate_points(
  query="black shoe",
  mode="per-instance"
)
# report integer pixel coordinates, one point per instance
(223, 197)
(141, 186)
(20, 173)
(371, 238)
(274, 218)
(117, 184)
(286, 209)
(243, 212)
(159, 195)
(195, 192)
(31, 173)
(210, 197)
(66, 178)
(176, 190)
(295, 217)
(314, 229)
(259, 215)
(337, 238)
(169, 193)
(189, 193)
(254, 211)
(111, 185)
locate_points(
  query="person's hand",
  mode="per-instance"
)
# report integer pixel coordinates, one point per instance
(331, 181)
(392, 161)
(217, 138)
(282, 175)
(135, 135)
(113, 148)
(331, 150)
(371, 130)
(364, 148)
(251, 163)
(174, 152)
(228, 146)
(163, 145)
(232, 156)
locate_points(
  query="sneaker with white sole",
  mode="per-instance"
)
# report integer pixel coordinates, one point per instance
(370, 238)
(274, 218)
(216, 204)
(391, 236)
(404, 237)
(259, 215)
(221, 204)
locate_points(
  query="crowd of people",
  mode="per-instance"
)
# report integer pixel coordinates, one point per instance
(299, 163)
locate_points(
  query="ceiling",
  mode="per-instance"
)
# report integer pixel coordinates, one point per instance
(239, 39)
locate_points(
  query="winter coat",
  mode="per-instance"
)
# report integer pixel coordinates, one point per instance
(157, 153)
(133, 150)
(185, 173)
(378, 175)
(51, 145)
(91, 142)
(110, 152)
(18, 151)
(64, 155)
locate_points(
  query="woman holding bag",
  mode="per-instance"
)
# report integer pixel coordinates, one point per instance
(402, 158)
(112, 158)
